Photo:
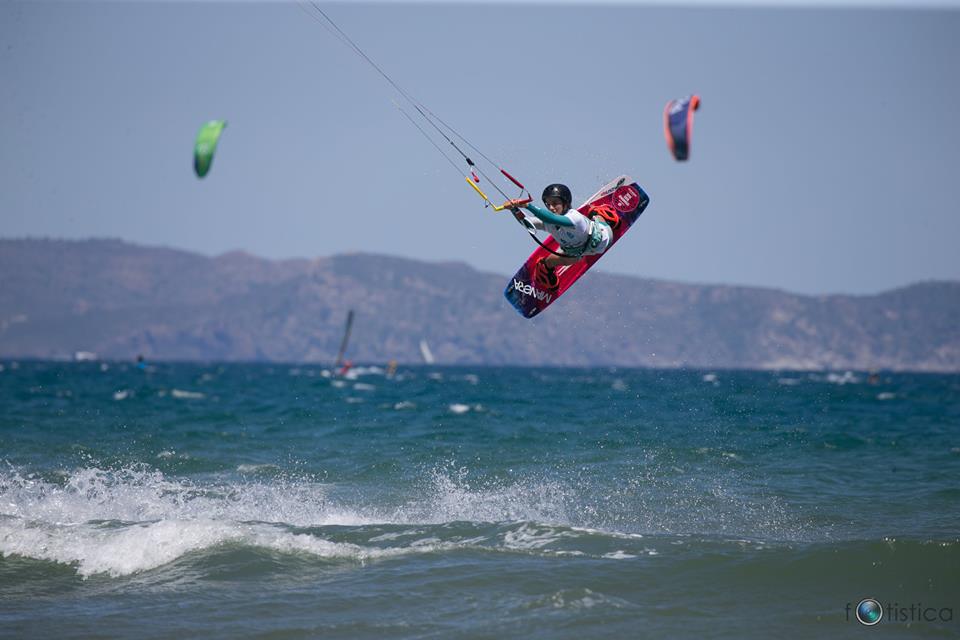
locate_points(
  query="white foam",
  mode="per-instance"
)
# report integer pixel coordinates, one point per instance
(530, 537)
(137, 495)
(116, 551)
(187, 395)
(847, 377)
(121, 522)
(127, 549)
(459, 408)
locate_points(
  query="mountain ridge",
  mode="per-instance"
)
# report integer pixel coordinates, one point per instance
(119, 299)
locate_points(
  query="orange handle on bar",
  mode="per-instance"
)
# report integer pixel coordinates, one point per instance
(516, 203)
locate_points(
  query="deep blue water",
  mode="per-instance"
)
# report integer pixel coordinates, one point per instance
(274, 501)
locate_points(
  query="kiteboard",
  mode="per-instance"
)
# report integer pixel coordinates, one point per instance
(620, 202)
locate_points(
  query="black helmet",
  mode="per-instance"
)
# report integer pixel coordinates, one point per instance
(560, 191)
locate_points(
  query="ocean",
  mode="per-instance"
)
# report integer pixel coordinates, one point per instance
(279, 501)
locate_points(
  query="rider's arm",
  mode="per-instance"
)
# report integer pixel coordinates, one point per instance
(548, 216)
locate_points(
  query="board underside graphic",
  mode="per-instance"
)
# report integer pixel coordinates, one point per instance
(622, 196)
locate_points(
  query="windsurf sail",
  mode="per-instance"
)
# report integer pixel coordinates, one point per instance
(678, 125)
(345, 340)
(206, 146)
(426, 353)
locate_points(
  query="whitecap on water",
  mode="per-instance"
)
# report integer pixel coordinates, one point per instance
(186, 395)
(530, 537)
(847, 377)
(459, 408)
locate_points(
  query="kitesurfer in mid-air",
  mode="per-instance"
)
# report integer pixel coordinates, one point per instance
(577, 234)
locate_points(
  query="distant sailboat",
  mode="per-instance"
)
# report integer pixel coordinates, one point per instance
(425, 352)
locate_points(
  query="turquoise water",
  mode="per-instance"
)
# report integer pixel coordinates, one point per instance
(275, 501)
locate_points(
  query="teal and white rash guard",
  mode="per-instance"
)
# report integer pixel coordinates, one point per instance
(577, 234)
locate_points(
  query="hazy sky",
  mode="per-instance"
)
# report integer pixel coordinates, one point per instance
(824, 157)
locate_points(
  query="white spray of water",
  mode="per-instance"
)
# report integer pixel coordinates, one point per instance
(119, 522)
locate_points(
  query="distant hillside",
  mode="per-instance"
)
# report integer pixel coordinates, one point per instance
(118, 300)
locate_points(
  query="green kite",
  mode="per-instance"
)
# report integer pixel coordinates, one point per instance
(206, 146)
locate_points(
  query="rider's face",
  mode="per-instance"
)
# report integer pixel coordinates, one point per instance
(555, 205)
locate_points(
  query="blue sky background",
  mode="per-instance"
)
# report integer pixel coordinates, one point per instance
(824, 157)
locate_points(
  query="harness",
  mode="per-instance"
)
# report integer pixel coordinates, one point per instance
(592, 242)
